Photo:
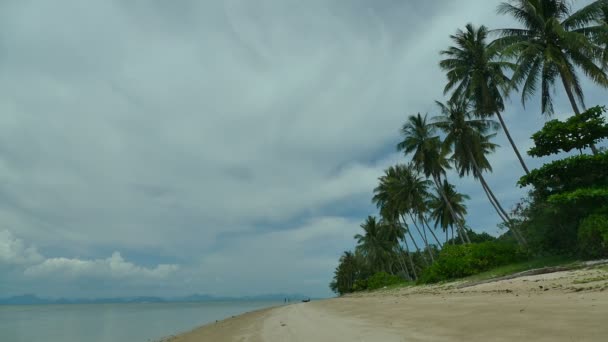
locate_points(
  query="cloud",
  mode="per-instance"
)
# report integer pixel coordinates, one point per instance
(214, 135)
(13, 251)
(112, 267)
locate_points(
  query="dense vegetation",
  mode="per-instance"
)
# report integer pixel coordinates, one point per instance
(421, 233)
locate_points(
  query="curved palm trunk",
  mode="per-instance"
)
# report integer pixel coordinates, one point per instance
(415, 244)
(447, 202)
(430, 230)
(453, 241)
(495, 202)
(426, 242)
(574, 106)
(407, 248)
(508, 134)
(402, 262)
(485, 190)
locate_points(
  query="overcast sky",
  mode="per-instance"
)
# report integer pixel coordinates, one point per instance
(221, 147)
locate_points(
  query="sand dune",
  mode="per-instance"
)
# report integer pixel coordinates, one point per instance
(563, 306)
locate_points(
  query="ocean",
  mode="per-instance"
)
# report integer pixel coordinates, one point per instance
(113, 322)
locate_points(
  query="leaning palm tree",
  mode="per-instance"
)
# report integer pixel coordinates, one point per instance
(374, 244)
(429, 155)
(475, 70)
(397, 190)
(469, 138)
(551, 45)
(395, 233)
(440, 212)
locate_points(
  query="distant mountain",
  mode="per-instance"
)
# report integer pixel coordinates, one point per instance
(30, 299)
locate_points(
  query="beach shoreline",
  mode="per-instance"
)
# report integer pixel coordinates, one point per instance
(560, 306)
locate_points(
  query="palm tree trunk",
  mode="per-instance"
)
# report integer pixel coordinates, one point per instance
(414, 242)
(426, 243)
(453, 240)
(402, 262)
(447, 202)
(485, 189)
(506, 130)
(447, 237)
(574, 106)
(495, 202)
(407, 248)
(430, 230)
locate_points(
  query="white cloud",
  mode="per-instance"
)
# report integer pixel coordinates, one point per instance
(13, 251)
(113, 267)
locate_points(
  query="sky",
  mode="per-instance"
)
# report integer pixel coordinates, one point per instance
(221, 147)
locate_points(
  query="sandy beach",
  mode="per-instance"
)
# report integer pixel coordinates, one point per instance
(561, 306)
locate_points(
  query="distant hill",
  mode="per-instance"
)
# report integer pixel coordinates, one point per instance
(30, 299)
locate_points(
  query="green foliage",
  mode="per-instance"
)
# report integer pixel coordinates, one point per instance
(568, 190)
(351, 269)
(577, 132)
(464, 260)
(593, 236)
(360, 285)
(382, 279)
(581, 196)
(569, 174)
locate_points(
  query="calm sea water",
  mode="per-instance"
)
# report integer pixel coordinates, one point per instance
(112, 322)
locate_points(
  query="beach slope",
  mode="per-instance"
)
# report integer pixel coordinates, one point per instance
(561, 306)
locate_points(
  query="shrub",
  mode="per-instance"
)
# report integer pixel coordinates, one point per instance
(382, 279)
(465, 260)
(593, 236)
(360, 285)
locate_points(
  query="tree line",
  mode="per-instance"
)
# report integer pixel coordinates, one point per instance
(418, 203)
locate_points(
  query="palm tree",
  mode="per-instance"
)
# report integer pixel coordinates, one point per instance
(374, 244)
(468, 137)
(552, 44)
(429, 155)
(398, 190)
(440, 212)
(476, 71)
(395, 233)
(597, 11)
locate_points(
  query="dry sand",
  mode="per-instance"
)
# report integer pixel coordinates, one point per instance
(562, 306)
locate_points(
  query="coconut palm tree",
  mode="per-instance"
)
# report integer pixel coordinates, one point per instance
(475, 70)
(428, 154)
(398, 189)
(396, 233)
(593, 23)
(440, 212)
(551, 45)
(469, 139)
(374, 244)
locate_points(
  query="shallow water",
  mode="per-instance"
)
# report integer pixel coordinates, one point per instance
(112, 322)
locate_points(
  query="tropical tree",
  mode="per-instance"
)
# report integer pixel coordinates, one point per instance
(375, 245)
(349, 269)
(399, 189)
(475, 70)
(598, 32)
(469, 139)
(428, 155)
(440, 212)
(553, 42)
